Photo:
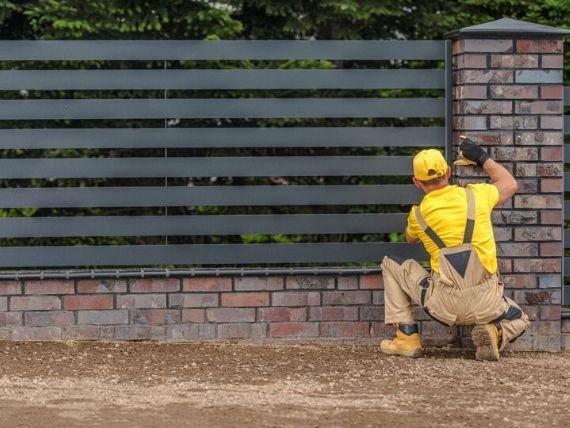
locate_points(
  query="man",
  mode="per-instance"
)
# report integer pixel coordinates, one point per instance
(454, 225)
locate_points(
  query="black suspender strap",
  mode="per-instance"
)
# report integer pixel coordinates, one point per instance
(428, 230)
(469, 226)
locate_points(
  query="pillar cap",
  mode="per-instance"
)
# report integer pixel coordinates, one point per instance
(508, 27)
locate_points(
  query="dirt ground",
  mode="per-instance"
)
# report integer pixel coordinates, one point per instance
(239, 385)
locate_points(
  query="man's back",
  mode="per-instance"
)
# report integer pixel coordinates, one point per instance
(445, 211)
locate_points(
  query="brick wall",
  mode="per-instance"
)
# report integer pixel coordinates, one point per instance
(305, 308)
(508, 96)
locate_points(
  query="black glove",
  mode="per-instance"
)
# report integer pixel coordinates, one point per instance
(471, 151)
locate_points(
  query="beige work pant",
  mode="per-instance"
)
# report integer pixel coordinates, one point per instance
(474, 305)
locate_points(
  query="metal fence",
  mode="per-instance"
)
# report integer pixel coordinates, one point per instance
(179, 134)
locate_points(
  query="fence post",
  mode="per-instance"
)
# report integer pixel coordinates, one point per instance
(508, 96)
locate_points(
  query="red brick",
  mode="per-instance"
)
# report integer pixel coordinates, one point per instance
(85, 332)
(537, 265)
(538, 201)
(193, 300)
(242, 331)
(484, 76)
(378, 297)
(190, 332)
(8, 319)
(551, 185)
(73, 303)
(49, 287)
(379, 329)
(539, 46)
(345, 329)
(296, 298)
(551, 217)
(282, 314)
(230, 315)
(515, 153)
(552, 61)
(139, 332)
(551, 92)
(471, 61)
(347, 298)
(527, 185)
(91, 286)
(514, 61)
(347, 282)
(10, 287)
(34, 303)
(503, 234)
(111, 317)
(470, 92)
(193, 315)
(483, 107)
(245, 299)
(551, 153)
(538, 138)
(207, 284)
(372, 313)
(550, 249)
(520, 249)
(258, 283)
(487, 138)
(151, 285)
(532, 297)
(313, 282)
(155, 301)
(514, 91)
(293, 329)
(486, 45)
(541, 233)
(519, 281)
(36, 333)
(333, 313)
(549, 169)
(155, 317)
(501, 122)
(371, 282)
(505, 265)
(514, 217)
(551, 122)
(538, 107)
(530, 311)
(470, 122)
(550, 312)
(49, 318)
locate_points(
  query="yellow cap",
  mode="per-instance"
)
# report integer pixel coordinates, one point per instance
(429, 164)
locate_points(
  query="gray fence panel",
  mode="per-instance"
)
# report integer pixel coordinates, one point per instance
(222, 137)
(206, 167)
(127, 50)
(209, 196)
(567, 124)
(23, 227)
(220, 79)
(140, 255)
(221, 108)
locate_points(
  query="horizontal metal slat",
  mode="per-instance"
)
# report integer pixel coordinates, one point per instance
(220, 79)
(260, 166)
(222, 137)
(220, 108)
(209, 196)
(24, 227)
(127, 50)
(146, 255)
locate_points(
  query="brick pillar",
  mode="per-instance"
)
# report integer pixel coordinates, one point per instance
(507, 95)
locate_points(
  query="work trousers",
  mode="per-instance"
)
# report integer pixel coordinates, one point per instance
(451, 305)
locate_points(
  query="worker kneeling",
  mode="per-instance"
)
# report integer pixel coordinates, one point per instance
(463, 288)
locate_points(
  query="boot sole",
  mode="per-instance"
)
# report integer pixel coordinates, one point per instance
(410, 354)
(486, 345)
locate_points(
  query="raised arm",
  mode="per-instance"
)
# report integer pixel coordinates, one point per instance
(500, 177)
